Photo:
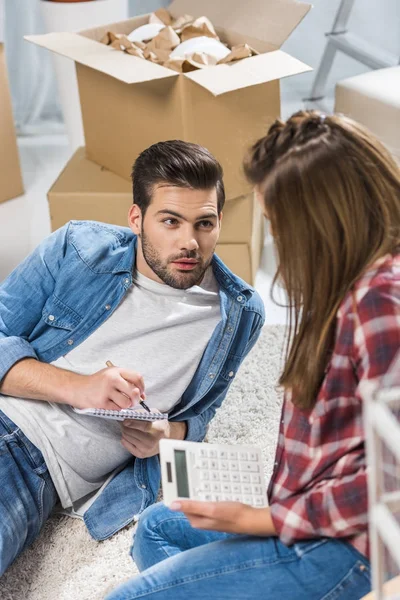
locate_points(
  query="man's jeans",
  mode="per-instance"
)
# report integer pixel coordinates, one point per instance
(27, 494)
(182, 563)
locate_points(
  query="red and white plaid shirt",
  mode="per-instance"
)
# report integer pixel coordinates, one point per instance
(319, 484)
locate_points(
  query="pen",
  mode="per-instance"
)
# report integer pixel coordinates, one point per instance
(109, 364)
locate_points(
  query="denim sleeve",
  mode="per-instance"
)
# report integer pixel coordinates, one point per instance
(23, 295)
(197, 426)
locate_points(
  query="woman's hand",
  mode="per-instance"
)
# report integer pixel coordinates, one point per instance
(229, 517)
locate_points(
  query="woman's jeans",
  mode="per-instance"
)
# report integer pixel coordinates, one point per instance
(27, 493)
(182, 563)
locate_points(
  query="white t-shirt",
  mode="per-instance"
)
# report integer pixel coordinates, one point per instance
(159, 331)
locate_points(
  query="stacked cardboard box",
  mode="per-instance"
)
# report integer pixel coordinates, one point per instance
(129, 103)
(10, 172)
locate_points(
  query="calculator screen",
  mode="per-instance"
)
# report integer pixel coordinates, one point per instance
(181, 473)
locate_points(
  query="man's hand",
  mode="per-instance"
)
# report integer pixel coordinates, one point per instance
(141, 438)
(229, 517)
(112, 388)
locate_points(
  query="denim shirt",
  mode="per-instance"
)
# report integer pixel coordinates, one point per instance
(66, 289)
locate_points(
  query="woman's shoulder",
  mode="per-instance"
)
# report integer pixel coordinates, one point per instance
(377, 290)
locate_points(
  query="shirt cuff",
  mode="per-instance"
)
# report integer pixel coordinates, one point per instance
(196, 432)
(13, 349)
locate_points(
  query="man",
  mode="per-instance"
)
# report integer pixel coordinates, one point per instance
(153, 299)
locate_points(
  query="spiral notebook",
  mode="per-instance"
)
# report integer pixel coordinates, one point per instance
(120, 415)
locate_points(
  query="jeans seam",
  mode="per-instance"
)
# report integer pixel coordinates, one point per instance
(332, 594)
(209, 575)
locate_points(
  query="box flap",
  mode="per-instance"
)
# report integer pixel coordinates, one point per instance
(119, 65)
(247, 72)
(268, 20)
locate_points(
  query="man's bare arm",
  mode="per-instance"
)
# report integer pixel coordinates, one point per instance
(111, 388)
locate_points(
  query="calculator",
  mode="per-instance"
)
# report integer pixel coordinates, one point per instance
(212, 472)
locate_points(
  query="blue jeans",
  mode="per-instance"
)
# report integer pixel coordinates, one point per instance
(182, 563)
(27, 493)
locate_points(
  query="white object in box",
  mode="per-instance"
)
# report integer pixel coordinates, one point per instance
(129, 103)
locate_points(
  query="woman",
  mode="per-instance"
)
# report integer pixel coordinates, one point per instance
(332, 195)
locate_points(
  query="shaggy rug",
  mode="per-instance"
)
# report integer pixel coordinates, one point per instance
(66, 564)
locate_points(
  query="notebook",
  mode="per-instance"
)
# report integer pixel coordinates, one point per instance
(120, 415)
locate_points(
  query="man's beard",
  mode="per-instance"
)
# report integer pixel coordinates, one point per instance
(181, 280)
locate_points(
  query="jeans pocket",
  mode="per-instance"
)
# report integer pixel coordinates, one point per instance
(302, 548)
(32, 453)
(354, 585)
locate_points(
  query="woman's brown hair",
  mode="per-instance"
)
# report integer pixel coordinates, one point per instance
(332, 194)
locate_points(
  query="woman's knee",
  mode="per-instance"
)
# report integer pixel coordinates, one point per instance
(147, 529)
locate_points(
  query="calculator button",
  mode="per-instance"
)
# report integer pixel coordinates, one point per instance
(206, 497)
(245, 477)
(258, 501)
(257, 490)
(253, 456)
(226, 488)
(235, 477)
(218, 497)
(234, 465)
(237, 498)
(232, 455)
(246, 487)
(213, 464)
(248, 500)
(212, 453)
(227, 497)
(203, 453)
(222, 454)
(225, 476)
(224, 465)
(215, 487)
(249, 467)
(203, 463)
(214, 475)
(255, 478)
(204, 475)
(206, 487)
(236, 489)
(243, 456)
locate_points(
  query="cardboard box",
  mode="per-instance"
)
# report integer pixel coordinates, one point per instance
(129, 103)
(11, 184)
(84, 190)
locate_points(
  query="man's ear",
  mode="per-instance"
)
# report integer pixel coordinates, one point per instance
(135, 219)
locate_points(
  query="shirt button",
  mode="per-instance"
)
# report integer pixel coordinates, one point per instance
(126, 281)
(239, 298)
(143, 486)
(230, 329)
(51, 317)
(108, 306)
(231, 373)
(70, 342)
(211, 375)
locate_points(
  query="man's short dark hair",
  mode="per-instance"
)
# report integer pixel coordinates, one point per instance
(177, 163)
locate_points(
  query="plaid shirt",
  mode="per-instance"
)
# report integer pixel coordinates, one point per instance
(319, 484)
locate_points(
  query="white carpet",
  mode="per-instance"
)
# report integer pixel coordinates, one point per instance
(66, 564)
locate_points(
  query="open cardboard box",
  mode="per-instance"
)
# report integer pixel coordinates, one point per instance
(84, 190)
(129, 103)
(10, 172)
